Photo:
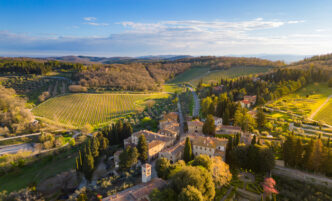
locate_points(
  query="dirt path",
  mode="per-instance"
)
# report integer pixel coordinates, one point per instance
(320, 107)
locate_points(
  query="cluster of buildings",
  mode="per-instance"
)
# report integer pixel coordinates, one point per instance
(168, 143)
(248, 101)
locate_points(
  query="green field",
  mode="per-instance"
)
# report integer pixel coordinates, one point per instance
(80, 109)
(37, 171)
(325, 114)
(194, 75)
(305, 101)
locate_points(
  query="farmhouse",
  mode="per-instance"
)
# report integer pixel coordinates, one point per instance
(195, 126)
(246, 138)
(209, 146)
(139, 192)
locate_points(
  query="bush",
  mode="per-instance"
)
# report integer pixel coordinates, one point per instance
(77, 88)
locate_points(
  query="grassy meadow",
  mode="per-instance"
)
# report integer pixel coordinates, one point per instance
(81, 109)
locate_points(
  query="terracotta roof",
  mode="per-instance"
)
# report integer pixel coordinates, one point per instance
(176, 148)
(172, 132)
(138, 192)
(195, 122)
(154, 143)
(149, 135)
(208, 141)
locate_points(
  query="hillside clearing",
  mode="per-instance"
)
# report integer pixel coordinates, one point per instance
(325, 114)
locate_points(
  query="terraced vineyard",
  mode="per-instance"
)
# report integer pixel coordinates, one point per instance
(81, 109)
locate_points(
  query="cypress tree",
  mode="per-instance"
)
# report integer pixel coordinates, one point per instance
(188, 154)
(298, 153)
(260, 119)
(142, 147)
(253, 141)
(226, 117)
(94, 147)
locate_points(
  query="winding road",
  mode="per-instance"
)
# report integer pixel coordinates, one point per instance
(196, 107)
(320, 107)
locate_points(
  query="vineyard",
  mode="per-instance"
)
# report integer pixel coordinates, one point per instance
(194, 75)
(81, 109)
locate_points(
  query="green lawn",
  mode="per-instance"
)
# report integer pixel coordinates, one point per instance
(36, 172)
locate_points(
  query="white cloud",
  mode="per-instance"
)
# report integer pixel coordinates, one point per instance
(180, 37)
(90, 19)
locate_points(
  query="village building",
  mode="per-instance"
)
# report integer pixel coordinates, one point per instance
(171, 117)
(195, 126)
(174, 153)
(217, 121)
(117, 158)
(169, 132)
(155, 146)
(146, 173)
(209, 146)
(150, 136)
(139, 192)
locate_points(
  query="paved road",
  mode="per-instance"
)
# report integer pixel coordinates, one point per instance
(302, 176)
(320, 107)
(19, 136)
(196, 107)
(12, 149)
(180, 117)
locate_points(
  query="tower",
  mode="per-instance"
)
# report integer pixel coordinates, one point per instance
(146, 172)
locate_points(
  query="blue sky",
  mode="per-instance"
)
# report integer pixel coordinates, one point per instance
(144, 27)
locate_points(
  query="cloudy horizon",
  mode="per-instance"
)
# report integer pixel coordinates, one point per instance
(138, 35)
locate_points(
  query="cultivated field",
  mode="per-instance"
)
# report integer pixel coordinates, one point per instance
(305, 101)
(325, 114)
(81, 109)
(194, 75)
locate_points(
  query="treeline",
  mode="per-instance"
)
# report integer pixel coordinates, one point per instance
(38, 67)
(228, 62)
(312, 156)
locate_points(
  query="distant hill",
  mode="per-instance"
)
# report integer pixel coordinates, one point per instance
(119, 60)
(287, 58)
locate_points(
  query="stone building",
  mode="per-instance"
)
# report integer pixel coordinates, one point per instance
(209, 146)
(146, 173)
(195, 126)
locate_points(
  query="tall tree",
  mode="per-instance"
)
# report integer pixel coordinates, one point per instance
(209, 128)
(260, 119)
(188, 153)
(142, 147)
(226, 117)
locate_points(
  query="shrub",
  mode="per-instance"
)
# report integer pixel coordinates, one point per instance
(77, 88)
